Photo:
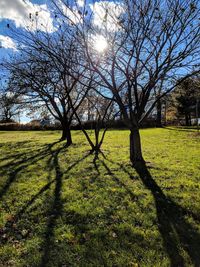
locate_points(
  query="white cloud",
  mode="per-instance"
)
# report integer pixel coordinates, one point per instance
(7, 42)
(25, 14)
(105, 14)
(71, 13)
(81, 3)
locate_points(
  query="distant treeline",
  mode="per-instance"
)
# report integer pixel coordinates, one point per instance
(113, 124)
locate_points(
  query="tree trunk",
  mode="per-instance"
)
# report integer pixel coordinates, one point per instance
(66, 134)
(135, 147)
(187, 121)
(159, 114)
(96, 148)
(190, 121)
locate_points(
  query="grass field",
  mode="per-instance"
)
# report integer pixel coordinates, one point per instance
(60, 208)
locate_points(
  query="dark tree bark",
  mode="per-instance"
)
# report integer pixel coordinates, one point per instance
(139, 77)
(98, 143)
(190, 121)
(135, 147)
(187, 119)
(66, 133)
(159, 114)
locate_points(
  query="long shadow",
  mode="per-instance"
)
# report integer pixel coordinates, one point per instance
(55, 212)
(118, 181)
(25, 157)
(21, 164)
(9, 230)
(174, 228)
(196, 217)
(172, 225)
(52, 163)
(18, 158)
(57, 207)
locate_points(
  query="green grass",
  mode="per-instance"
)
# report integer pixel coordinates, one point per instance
(59, 208)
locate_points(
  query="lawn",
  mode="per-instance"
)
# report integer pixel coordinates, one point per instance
(59, 207)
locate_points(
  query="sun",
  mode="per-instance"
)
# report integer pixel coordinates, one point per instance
(100, 43)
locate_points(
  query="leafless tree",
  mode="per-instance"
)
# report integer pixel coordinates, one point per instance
(136, 50)
(149, 42)
(10, 103)
(97, 111)
(47, 72)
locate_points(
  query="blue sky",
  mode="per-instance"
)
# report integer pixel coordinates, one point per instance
(16, 13)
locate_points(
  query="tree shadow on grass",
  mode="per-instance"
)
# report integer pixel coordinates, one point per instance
(177, 233)
(30, 158)
(49, 183)
(118, 181)
(12, 156)
(14, 169)
(21, 163)
(56, 209)
(174, 228)
(88, 233)
(54, 253)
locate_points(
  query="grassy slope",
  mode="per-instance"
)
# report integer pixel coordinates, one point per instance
(58, 208)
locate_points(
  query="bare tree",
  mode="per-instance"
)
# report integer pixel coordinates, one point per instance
(137, 50)
(47, 72)
(10, 103)
(153, 42)
(99, 111)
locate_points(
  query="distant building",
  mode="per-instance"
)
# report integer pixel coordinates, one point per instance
(194, 121)
(45, 122)
(42, 122)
